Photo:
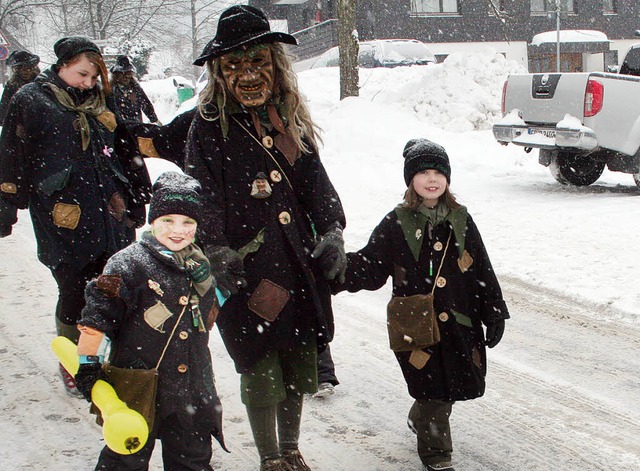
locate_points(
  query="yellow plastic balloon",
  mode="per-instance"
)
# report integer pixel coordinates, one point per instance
(124, 430)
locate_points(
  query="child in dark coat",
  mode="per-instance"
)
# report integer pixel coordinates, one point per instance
(444, 291)
(159, 293)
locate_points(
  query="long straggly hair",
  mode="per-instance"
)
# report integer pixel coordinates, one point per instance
(293, 108)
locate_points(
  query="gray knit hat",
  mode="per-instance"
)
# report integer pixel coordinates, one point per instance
(175, 193)
(422, 154)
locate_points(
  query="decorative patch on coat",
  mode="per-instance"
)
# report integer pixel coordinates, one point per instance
(109, 285)
(465, 261)
(268, 300)
(418, 359)
(21, 132)
(117, 207)
(10, 188)
(145, 144)
(156, 316)
(108, 120)
(476, 357)
(66, 215)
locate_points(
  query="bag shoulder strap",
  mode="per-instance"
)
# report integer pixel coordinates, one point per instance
(441, 263)
(164, 350)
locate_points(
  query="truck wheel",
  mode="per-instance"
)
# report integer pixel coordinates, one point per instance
(571, 169)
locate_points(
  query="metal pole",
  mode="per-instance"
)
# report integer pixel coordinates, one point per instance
(558, 36)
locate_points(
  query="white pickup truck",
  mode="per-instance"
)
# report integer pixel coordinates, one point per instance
(580, 121)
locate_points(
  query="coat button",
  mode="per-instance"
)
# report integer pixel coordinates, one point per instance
(183, 301)
(437, 246)
(267, 141)
(284, 218)
(184, 335)
(183, 368)
(441, 282)
(443, 316)
(275, 176)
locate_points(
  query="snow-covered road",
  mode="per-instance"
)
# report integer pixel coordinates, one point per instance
(563, 390)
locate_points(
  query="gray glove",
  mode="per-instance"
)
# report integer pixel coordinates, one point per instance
(494, 333)
(331, 255)
(227, 268)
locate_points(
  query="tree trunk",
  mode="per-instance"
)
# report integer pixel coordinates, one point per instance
(348, 46)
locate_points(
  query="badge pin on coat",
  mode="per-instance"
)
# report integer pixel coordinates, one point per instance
(155, 286)
(260, 188)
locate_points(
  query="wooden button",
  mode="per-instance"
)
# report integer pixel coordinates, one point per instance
(184, 335)
(284, 218)
(267, 141)
(437, 246)
(441, 282)
(443, 316)
(184, 300)
(418, 233)
(275, 176)
(183, 368)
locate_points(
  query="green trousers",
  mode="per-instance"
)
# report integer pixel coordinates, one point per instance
(429, 418)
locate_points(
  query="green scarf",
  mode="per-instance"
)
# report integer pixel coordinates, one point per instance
(94, 106)
(414, 224)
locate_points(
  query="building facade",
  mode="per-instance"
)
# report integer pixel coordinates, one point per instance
(448, 26)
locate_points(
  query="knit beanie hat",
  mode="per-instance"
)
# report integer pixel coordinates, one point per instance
(22, 58)
(422, 154)
(123, 65)
(175, 193)
(66, 48)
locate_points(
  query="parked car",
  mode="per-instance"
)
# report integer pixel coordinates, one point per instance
(581, 122)
(382, 53)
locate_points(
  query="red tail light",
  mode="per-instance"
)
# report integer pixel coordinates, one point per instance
(504, 97)
(593, 98)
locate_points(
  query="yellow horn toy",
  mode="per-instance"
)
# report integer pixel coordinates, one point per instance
(124, 430)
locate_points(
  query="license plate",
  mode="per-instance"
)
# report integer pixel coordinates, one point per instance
(545, 132)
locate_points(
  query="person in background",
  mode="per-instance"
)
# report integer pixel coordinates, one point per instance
(252, 123)
(444, 291)
(66, 156)
(131, 99)
(154, 304)
(24, 70)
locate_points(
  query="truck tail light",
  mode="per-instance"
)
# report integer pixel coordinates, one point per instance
(593, 98)
(504, 97)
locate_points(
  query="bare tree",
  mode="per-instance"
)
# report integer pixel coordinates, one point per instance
(18, 14)
(348, 48)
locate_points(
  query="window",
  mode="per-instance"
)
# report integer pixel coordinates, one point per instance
(610, 6)
(434, 6)
(543, 6)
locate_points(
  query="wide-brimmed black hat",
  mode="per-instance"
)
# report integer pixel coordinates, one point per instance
(66, 48)
(123, 65)
(241, 25)
(22, 58)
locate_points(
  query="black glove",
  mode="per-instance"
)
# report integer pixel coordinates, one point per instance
(227, 268)
(494, 333)
(198, 271)
(5, 230)
(86, 377)
(331, 255)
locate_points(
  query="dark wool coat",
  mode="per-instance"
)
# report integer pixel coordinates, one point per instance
(467, 300)
(167, 142)
(127, 306)
(226, 168)
(10, 89)
(83, 203)
(132, 101)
